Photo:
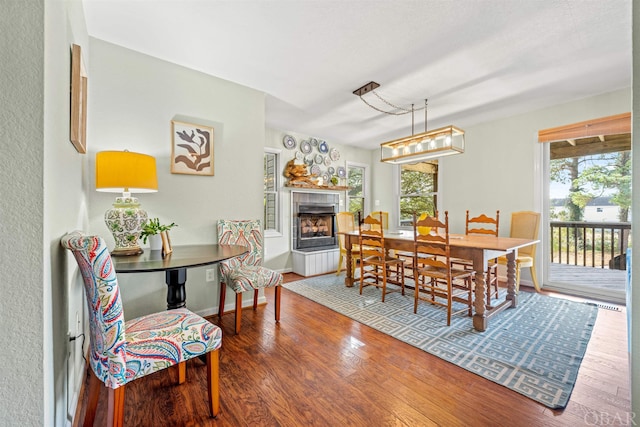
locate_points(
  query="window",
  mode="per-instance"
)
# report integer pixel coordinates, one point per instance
(418, 190)
(356, 177)
(271, 194)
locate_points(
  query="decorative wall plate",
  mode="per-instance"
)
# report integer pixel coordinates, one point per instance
(313, 142)
(334, 154)
(299, 155)
(331, 170)
(327, 161)
(319, 159)
(308, 160)
(323, 147)
(325, 178)
(289, 142)
(342, 172)
(305, 147)
(315, 170)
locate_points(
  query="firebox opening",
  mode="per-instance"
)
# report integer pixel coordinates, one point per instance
(316, 227)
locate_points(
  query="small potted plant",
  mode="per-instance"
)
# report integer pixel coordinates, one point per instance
(152, 229)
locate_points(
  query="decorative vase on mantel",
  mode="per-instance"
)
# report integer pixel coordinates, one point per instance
(155, 242)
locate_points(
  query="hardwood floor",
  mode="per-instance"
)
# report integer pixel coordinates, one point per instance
(319, 368)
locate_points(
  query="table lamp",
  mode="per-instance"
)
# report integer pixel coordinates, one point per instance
(125, 172)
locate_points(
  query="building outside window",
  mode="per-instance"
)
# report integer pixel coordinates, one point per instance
(271, 192)
(418, 190)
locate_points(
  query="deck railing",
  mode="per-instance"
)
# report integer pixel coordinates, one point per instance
(590, 244)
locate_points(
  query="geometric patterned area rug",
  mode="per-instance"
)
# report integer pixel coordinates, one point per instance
(535, 349)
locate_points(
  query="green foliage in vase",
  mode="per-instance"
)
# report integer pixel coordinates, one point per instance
(153, 226)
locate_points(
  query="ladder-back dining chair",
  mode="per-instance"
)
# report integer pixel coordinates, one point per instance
(436, 281)
(245, 272)
(122, 351)
(377, 267)
(488, 226)
(525, 225)
(346, 223)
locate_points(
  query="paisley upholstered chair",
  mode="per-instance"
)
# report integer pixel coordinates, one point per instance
(122, 351)
(245, 272)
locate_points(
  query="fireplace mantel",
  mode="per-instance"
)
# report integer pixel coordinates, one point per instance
(319, 187)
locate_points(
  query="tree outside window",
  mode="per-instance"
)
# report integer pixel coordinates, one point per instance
(355, 196)
(586, 178)
(418, 190)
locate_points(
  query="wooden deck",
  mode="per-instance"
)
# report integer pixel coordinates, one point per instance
(593, 281)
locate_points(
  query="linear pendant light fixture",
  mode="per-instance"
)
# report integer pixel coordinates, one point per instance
(417, 147)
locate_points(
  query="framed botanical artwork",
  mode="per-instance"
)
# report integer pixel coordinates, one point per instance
(191, 148)
(78, 133)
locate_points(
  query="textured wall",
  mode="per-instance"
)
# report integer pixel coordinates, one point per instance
(21, 212)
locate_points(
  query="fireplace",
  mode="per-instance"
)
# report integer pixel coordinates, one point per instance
(316, 226)
(314, 221)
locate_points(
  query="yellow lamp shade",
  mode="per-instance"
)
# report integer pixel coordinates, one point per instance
(125, 171)
(423, 230)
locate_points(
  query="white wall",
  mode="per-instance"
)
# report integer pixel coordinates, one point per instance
(21, 214)
(39, 205)
(132, 100)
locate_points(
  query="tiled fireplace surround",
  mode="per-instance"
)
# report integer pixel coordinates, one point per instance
(308, 259)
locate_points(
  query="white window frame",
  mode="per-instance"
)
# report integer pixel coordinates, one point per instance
(365, 186)
(277, 232)
(436, 193)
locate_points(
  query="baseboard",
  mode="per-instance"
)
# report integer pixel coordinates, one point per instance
(231, 305)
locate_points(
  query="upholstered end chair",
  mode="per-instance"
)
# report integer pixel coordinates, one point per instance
(122, 351)
(245, 272)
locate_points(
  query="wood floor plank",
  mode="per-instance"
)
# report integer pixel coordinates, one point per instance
(319, 368)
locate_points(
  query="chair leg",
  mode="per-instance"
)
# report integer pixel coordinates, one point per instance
(384, 281)
(94, 393)
(182, 372)
(255, 299)
(469, 295)
(115, 413)
(340, 259)
(238, 311)
(213, 384)
(416, 292)
(223, 294)
(277, 303)
(534, 277)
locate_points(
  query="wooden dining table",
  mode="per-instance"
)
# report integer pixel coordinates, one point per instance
(477, 248)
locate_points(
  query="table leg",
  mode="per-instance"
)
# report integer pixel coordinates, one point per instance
(348, 277)
(176, 294)
(480, 298)
(511, 278)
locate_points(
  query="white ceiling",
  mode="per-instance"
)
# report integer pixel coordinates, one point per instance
(475, 60)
